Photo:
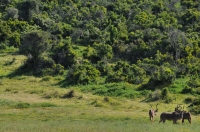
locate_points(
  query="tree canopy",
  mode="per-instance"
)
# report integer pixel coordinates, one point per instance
(134, 41)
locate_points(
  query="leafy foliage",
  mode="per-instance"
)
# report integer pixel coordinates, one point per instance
(82, 74)
(147, 43)
(123, 72)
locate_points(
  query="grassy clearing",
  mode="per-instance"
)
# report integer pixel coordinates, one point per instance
(30, 104)
(73, 119)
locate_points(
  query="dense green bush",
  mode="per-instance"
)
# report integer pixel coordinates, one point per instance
(123, 72)
(104, 67)
(63, 53)
(187, 90)
(5, 32)
(163, 76)
(34, 43)
(98, 51)
(82, 74)
(194, 82)
(156, 95)
(165, 93)
(194, 106)
(12, 13)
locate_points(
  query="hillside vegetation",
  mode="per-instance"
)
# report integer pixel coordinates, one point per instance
(105, 53)
(109, 47)
(30, 103)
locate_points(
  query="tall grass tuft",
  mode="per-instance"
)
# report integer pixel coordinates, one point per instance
(69, 94)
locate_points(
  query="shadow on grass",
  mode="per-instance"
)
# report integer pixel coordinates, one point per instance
(64, 83)
(23, 71)
(19, 72)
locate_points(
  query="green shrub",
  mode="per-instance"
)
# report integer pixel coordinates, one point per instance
(194, 82)
(195, 110)
(145, 92)
(124, 72)
(169, 99)
(187, 90)
(63, 53)
(83, 74)
(3, 46)
(156, 95)
(104, 67)
(189, 100)
(194, 107)
(196, 101)
(58, 69)
(165, 93)
(162, 77)
(98, 51)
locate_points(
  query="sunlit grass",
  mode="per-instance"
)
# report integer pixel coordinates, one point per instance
(32, 104)
(178, 85)
(72, 119)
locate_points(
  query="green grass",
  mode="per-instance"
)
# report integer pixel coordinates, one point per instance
(178, 85)
(32, 104)
(69, 119)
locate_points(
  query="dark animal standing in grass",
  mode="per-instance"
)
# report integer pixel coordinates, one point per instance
(186, 115)
(152, 113)
(174, 116)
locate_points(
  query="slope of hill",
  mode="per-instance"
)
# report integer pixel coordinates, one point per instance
(31, 103)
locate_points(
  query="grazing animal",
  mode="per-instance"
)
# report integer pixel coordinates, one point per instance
(152, 113)
(186, 115)
(174, 116)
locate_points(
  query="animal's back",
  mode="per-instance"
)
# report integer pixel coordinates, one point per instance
(166, 116)
(187, 115)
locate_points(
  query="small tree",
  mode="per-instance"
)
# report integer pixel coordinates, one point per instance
(165, 93)
(34, 44)
(12, 13)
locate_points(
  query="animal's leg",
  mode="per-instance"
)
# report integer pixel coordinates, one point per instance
(174, 122)
(150, 117)
(190, 121)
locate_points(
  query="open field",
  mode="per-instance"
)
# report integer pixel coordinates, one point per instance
(30, 104)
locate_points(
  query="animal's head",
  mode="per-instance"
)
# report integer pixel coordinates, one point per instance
(156, 110)
(178, 108)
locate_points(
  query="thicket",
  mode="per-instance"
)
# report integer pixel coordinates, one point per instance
(143, 42)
